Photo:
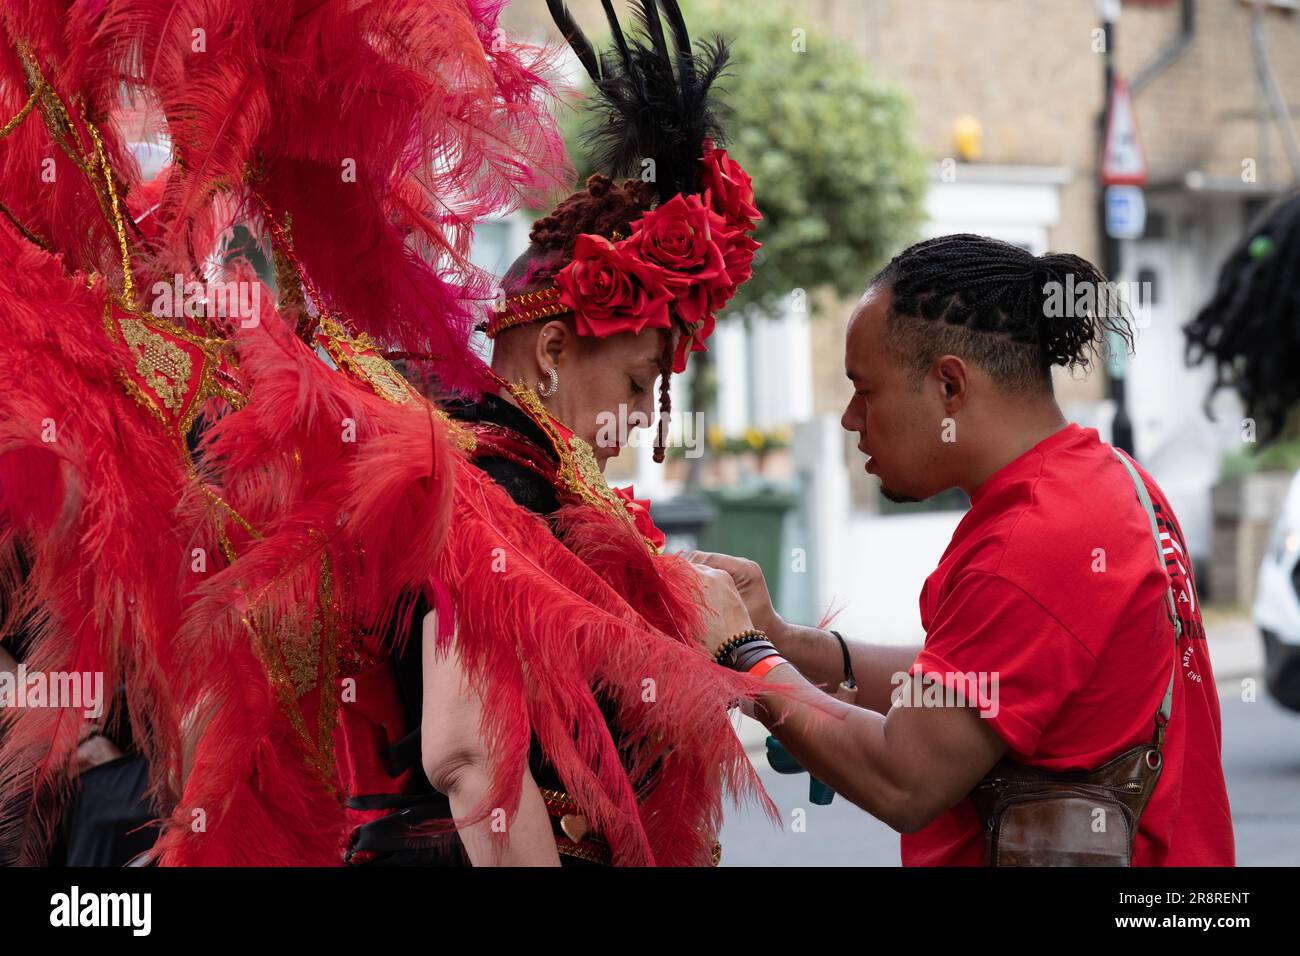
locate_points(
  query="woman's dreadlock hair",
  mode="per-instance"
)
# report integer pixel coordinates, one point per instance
(1250, 328)
(1011, 312)
(603, 208)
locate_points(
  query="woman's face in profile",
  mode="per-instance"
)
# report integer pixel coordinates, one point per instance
(608, 388)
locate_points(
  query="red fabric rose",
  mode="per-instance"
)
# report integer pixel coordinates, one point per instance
(610, 289)
(693, 251)
(728, 188)
(639, 509)
(681, 237)
(738, 257)
(694, 341)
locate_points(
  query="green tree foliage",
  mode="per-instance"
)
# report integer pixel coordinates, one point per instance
(838, 178)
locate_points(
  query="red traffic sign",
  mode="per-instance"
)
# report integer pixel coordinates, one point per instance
(1123, 162)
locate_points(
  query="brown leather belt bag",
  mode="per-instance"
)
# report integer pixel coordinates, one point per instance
(1035, 817)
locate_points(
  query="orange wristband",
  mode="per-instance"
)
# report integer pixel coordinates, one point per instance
(765, 666)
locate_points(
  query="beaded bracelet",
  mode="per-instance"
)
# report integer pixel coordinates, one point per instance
(747, 636)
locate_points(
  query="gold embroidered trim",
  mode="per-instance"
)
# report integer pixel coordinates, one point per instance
(570, 471)
(559, 798)
(584, 460)
(164, 366)
(581, 852)
(301, 657)
(462, 437)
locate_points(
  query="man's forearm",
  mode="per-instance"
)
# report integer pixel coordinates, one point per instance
(842, 745)
(875, 667)
(905, 767)
(819, 658)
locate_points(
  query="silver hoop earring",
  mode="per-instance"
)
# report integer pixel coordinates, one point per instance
(549, 389)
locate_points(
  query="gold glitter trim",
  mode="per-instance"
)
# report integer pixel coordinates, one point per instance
(581, 852)
(37, 89)
(461, 437)
(579, 471)
(526, 307)
(364, 364)
(356, 354)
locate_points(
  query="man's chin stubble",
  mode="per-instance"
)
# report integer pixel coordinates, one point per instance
(896, 498)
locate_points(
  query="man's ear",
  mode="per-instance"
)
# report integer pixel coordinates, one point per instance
(553, 340)
(954, 382)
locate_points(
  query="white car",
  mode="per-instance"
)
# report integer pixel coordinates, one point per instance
(1277, 603)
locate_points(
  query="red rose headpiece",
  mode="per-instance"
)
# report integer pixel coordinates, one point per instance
(685, 257)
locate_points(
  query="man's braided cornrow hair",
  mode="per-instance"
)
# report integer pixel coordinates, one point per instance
(991, 302)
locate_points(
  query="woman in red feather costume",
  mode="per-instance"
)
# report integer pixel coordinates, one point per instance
(236, 593)
(619, 284)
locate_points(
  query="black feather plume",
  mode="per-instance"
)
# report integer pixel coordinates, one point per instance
(574, 36)
(651, 103)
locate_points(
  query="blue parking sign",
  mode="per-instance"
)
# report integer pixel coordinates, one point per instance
(1126, 212)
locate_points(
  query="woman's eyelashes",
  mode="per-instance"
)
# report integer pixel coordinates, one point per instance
(637, 389)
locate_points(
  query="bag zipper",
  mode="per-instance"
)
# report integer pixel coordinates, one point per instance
(1127, 786)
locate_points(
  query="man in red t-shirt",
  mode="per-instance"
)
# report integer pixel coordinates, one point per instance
(1048, 631)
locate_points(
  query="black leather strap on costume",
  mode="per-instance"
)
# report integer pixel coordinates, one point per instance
(403, 755)
(414, 836)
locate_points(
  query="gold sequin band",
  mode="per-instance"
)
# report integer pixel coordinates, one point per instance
(526, 307)
(588, 853)
(590, 847)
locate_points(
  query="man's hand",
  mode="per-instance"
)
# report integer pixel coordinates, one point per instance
(728, 616)
(749, 581)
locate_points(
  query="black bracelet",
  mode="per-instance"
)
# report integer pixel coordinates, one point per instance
(848, 661)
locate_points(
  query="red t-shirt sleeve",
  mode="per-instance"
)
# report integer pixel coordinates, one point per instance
(1029, 660)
